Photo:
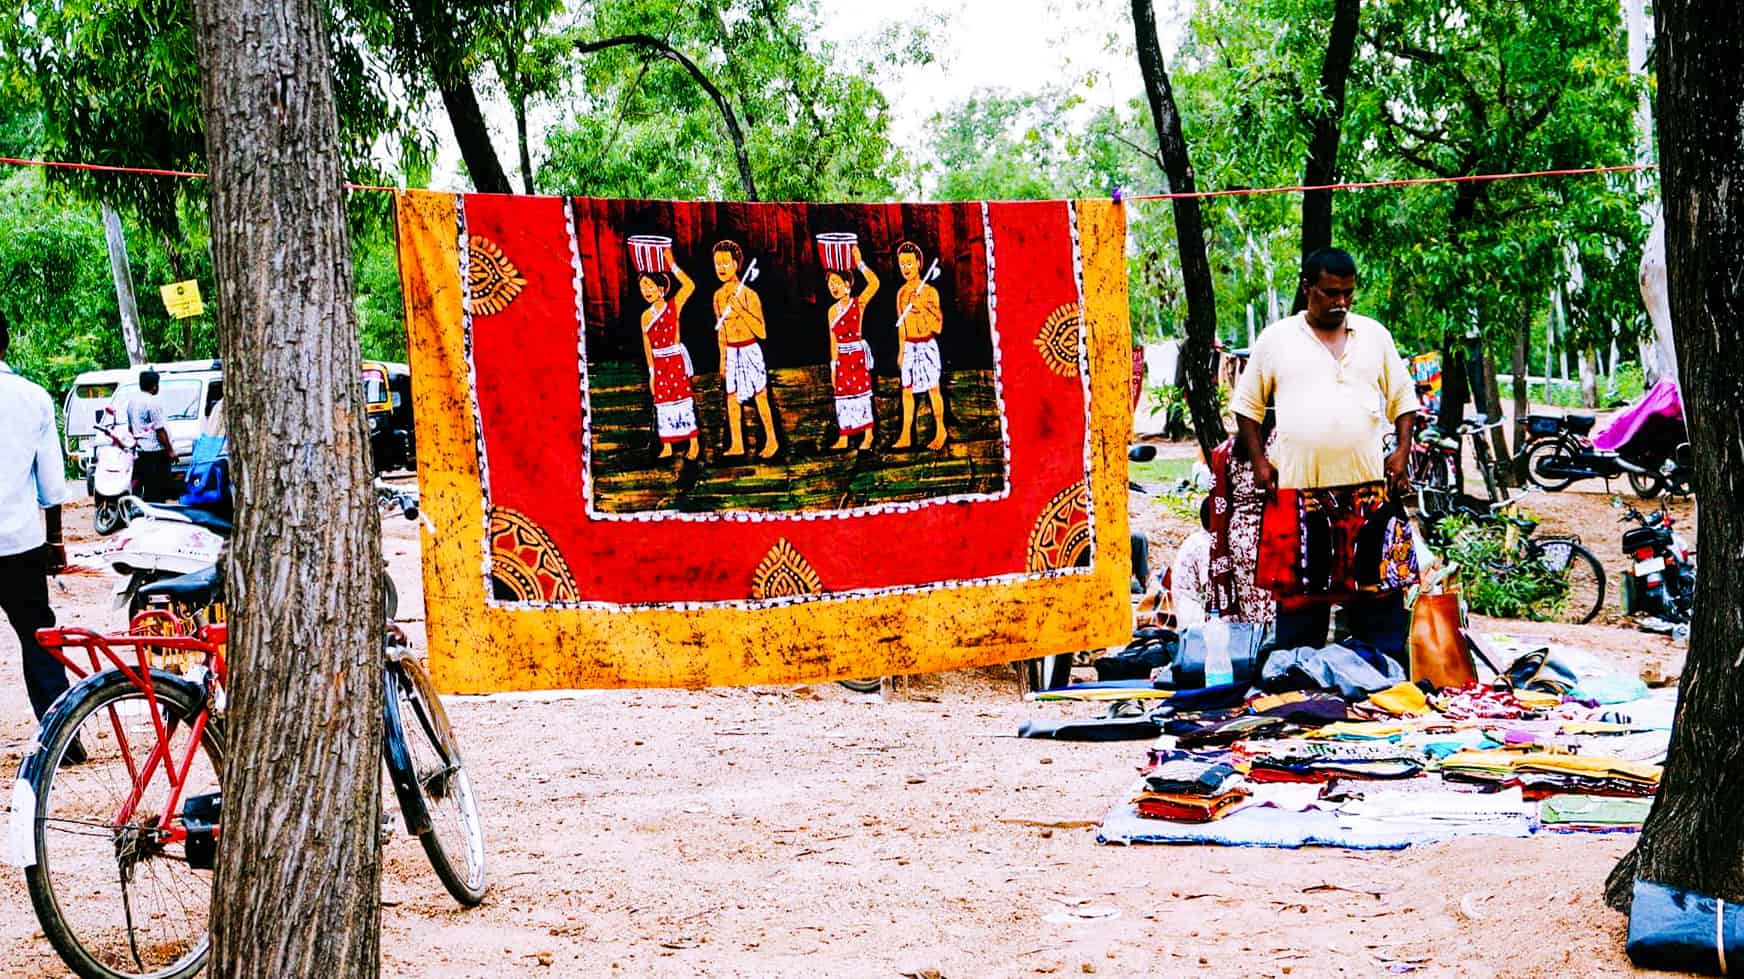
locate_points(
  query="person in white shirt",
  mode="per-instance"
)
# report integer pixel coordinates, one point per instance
(32, 489)
(155, 455)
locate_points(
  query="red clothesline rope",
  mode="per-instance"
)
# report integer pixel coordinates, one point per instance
(1399, 182)
(1236, 192)
(144, 171)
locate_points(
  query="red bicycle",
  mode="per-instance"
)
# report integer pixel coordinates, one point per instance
(116, 814)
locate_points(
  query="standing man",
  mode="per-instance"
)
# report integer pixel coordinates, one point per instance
(919, 321)
(155, 454)
(32, 488)
(740, 326)
(1330, 535)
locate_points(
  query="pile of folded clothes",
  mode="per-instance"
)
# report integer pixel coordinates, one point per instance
(1187, 788)
(1543, 774)
(1593, 814)
(1321, 761)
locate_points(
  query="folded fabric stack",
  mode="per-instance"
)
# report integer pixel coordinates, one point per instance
(1188, 789)
(1440, 812)
(1188, 808)
(1542, 774)
(1209, 730)
(1308, 708)
(1593, 814)
(1474, 701)
(1319, 761)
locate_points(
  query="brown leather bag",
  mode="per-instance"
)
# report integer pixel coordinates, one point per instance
(1439, 652)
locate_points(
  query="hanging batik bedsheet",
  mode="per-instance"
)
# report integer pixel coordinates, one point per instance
(688, 444)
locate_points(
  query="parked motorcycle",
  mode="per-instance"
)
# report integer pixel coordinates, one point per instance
(1647, 443)
(1661, 580)
(161, 541)
(112, 453)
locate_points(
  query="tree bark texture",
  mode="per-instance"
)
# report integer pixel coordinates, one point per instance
(1694, 837)
(677, 57)
(1199, 357)
(1493, 408)
(1326, 123)
(297, 886)
(1655, 295)
(116, 238)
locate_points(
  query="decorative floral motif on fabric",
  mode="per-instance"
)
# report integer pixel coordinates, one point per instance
(1061, 538)
(525, 565)
(1058, 339)
(491, 279)
(784, 573)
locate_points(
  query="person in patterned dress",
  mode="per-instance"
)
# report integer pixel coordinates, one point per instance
(850, 357)
(669, 367)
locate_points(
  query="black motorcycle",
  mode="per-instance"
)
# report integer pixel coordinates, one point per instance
(1560, 452)
(1661, 580)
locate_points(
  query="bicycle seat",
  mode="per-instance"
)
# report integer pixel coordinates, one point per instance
(200, 518)
(194, 589)
(1579, 424)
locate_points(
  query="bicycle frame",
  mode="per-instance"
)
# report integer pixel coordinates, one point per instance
(209, 641)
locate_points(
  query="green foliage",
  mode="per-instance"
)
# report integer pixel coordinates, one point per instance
(1171, 401)
(816, 127)
(1498, 581)
(1476, 86)
(1627, 383)
(56, 289)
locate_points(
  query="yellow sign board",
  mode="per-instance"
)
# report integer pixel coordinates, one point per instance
(182, 299)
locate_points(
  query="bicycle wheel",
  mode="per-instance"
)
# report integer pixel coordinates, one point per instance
(113, 898)
(435, 794)
(1542, 452)
(1580, 570)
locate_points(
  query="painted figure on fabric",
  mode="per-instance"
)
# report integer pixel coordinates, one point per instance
(740, 326)
(919, 321)
(1335, 382)
(669, 366)
(850, 356)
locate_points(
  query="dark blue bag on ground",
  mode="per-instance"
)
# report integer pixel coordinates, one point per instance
(1678, 930)
(208, 474)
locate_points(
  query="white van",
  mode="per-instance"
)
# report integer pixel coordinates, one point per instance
(187, 388)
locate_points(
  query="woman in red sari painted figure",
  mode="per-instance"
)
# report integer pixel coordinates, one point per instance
(669, 368)
(850, 357)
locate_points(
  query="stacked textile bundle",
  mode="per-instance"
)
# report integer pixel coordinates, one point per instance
(1542, 774)
(1593, 814)
(1321, 761)
(1185, 788)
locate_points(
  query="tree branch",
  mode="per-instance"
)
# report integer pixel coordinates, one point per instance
(672, 54)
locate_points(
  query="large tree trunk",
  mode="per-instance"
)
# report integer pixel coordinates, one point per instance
(297, 887)
(473, 137)
(1589, 377)
(1199, 357)
(1694, 837)
(520, 107)
(1326, 124)
(1493, 408)
(1655, 295)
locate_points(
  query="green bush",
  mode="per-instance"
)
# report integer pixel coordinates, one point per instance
(1497, 581)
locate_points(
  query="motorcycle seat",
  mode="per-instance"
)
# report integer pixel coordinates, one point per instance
(194, 589)
(1579, 424)
(200, 518)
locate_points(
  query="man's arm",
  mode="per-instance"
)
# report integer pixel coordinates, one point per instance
(751, 307)
(1399, 460)
(1265, 474)
(51, 491)
(1248, 404)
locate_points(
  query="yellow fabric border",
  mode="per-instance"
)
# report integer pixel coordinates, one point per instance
(475, 648)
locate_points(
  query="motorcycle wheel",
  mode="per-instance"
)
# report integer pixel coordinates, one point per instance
(1541, 453)
(108, 518)
(1647, 485)
(869, 684)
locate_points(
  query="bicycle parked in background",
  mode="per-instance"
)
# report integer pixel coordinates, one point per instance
(121, 801)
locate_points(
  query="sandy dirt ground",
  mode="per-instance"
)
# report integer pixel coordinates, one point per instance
(809, 831)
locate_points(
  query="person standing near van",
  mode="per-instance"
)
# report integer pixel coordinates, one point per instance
(155, 453)
(32, 489)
